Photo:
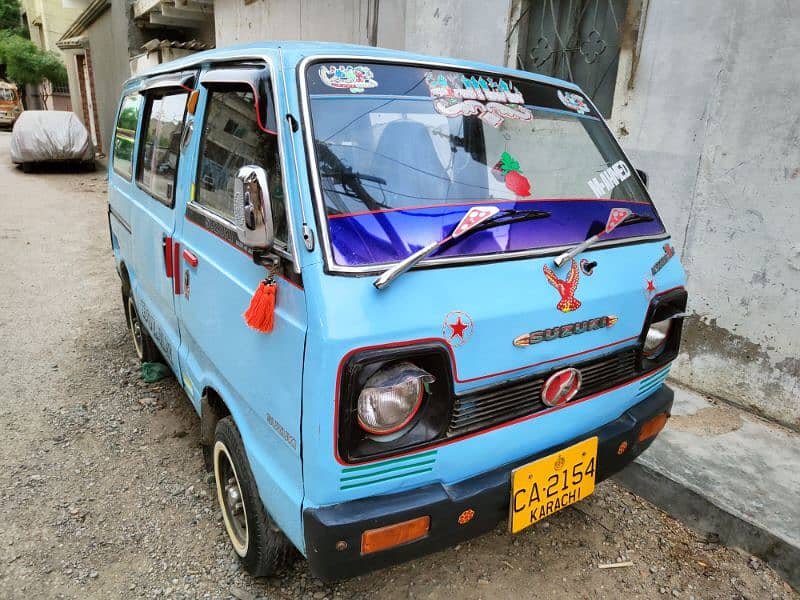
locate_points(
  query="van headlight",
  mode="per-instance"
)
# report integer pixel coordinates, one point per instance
(391, 397)
(656, 339)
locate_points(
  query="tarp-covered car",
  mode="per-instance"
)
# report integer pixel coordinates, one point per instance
(47, 136)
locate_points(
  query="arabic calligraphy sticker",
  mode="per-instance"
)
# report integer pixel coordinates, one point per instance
(355, 78)
(493, 101)
(457, 327)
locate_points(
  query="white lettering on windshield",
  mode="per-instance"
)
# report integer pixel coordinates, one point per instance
(493, 101)
(609, 179)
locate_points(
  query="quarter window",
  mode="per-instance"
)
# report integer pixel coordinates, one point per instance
(158, 166)
(232, 138)
(125, 134)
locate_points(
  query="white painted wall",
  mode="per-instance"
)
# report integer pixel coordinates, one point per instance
(713, 117)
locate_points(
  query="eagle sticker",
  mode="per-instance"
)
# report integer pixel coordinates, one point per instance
(565, 287)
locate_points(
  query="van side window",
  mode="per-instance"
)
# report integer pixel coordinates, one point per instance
(158, 163)
(125, 134)
(231, 139)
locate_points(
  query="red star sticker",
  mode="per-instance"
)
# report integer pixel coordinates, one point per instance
(458, 328)
(651, 286)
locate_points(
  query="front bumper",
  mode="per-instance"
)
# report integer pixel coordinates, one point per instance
(486, 494)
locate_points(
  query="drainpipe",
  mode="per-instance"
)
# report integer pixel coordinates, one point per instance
(373, 22)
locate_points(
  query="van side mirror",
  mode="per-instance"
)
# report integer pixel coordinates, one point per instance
(642, 176)
(252, 210)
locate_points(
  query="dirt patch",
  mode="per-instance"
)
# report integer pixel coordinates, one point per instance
(713, 420)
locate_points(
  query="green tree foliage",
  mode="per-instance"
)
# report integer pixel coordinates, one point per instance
(10, 17)
(26, 63)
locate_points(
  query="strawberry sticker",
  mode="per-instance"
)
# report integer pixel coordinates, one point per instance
(509, 169)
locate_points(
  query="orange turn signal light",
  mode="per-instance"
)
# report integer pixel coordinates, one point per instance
(651, 427)
(191, 105)
(375, 540)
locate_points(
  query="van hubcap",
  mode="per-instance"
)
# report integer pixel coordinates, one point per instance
(136, 328)
(232, 503)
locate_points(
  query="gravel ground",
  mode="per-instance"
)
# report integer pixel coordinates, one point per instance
(103, 493)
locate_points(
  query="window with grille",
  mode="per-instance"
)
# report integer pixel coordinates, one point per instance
(579, 41)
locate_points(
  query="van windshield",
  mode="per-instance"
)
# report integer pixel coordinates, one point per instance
(403, 152)
(6, 95)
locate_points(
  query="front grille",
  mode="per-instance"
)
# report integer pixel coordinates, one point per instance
(498, 404)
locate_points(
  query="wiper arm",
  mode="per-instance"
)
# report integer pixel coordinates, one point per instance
(618, 217)
(478, 218)
(347, 175)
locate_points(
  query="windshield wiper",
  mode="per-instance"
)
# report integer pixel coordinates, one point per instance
(618, 217)
(477, 219)
(348, 175)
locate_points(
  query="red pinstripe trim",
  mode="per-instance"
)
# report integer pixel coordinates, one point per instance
(235, 247)
(455, 375)
(477, 202)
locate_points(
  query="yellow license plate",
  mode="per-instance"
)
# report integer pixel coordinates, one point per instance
(549, 484)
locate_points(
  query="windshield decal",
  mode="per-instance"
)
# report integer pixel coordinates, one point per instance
(349, 77)
(609, 179)
(507, 170)
(456, 95)
(574, 102)
(385, 237)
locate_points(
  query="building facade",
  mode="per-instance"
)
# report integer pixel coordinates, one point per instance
(47, 20)
(701, 96)
(111, 40)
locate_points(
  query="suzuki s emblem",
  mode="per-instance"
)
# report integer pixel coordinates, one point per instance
(561, 387)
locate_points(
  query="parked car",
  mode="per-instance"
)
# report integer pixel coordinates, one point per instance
(10, 103)
(460, 301)
(50, 136)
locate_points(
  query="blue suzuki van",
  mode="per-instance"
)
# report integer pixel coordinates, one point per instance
(410, 298)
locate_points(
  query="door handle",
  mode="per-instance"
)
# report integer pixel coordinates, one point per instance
(189, 257)
(176, 269)
(166, 246)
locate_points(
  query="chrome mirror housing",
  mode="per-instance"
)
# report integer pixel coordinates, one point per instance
(252, 210)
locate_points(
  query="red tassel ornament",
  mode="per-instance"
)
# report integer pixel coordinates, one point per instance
(260, 315)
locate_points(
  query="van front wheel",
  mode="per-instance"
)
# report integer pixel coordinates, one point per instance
(261, 546)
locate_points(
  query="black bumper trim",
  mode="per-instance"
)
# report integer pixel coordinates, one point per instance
(486, 494)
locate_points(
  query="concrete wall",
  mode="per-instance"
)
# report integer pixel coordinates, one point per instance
(713, 118)
(456, 28)
(322, 20)
(711, 114)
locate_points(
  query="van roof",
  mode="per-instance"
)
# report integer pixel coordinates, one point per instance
(295, 51)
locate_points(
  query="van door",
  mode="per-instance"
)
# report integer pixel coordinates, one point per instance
(153, 216)
(258, 375)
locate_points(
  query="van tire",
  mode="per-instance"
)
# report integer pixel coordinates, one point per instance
(261, 546)
(144, 346)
